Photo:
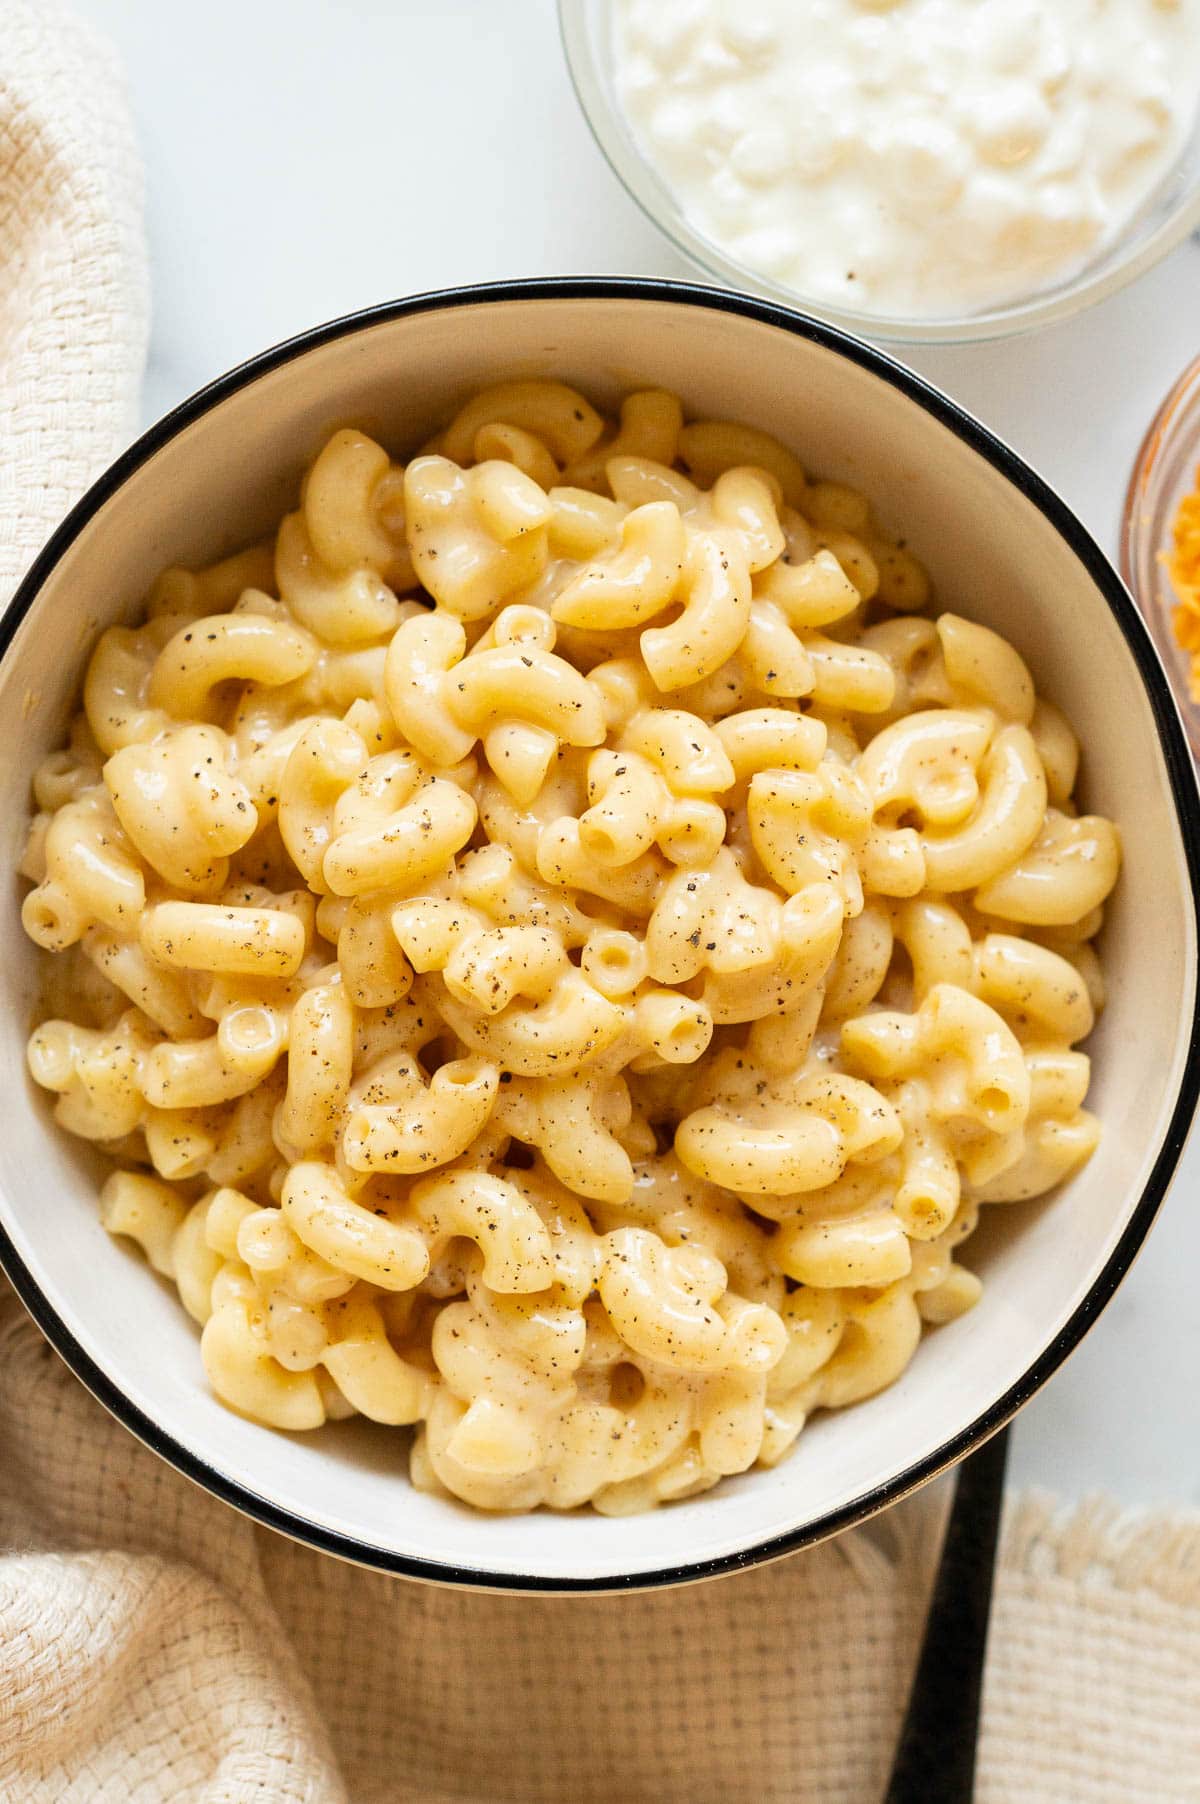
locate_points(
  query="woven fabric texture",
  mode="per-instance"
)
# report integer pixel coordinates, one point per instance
(156, 1647)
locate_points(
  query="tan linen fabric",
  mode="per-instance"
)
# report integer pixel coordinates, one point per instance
(72, 271)
(156, 1648)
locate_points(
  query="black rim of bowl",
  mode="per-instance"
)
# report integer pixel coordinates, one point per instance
(1187, 807)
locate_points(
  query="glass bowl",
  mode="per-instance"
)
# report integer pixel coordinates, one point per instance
(1163, 221)
(1164, 471)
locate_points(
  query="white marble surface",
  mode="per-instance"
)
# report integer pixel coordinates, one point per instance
(306, 157)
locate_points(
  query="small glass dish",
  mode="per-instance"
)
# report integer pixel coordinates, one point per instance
(1164, 471)
(1164, 220)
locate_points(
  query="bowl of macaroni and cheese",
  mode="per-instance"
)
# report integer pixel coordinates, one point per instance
(604, 962)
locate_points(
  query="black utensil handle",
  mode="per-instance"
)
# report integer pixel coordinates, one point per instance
(935, 1759)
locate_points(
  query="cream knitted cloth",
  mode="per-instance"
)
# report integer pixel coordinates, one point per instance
(155, 1646)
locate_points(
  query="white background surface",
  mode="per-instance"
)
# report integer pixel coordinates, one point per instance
(306, 157)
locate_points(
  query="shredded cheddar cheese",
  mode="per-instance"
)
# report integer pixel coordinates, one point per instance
(1183, 567)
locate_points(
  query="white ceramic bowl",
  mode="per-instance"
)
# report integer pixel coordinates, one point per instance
(1001, 547)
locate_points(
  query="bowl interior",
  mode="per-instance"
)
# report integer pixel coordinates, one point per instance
(224, 476)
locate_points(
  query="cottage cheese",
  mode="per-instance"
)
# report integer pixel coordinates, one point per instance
(910, 157)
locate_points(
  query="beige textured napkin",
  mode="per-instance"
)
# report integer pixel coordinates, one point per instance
(156, 1647)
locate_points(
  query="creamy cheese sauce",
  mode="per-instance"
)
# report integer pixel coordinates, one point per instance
(910, 157)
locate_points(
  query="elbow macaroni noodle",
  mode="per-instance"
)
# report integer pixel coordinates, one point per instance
(562, 945)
